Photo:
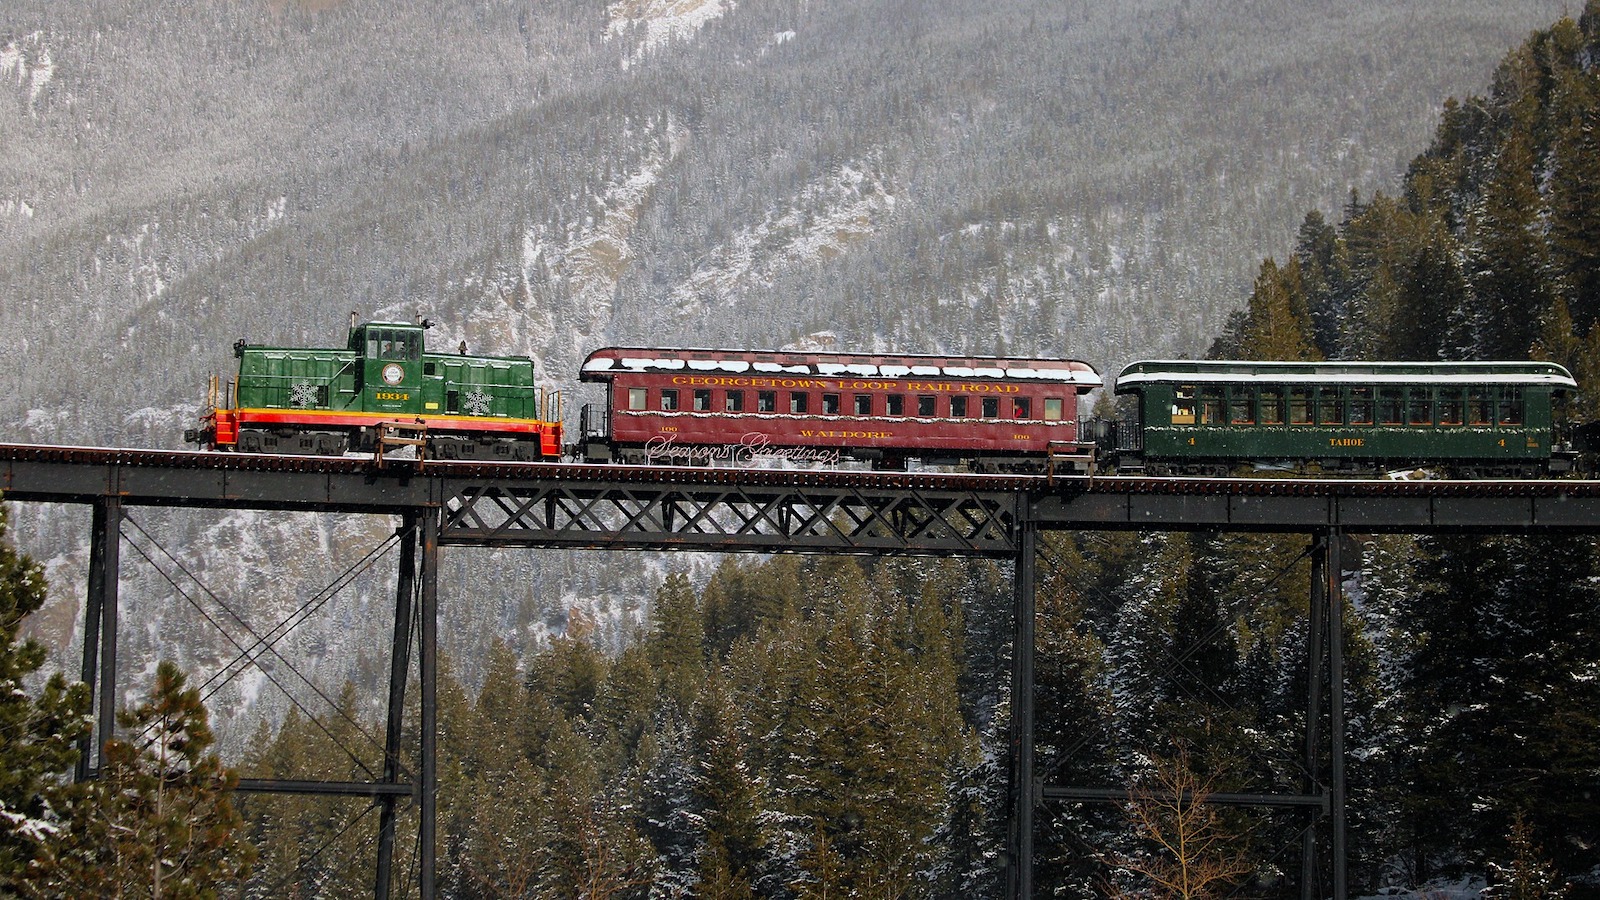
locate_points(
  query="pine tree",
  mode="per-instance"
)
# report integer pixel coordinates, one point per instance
(729, 796)
(1504, 710)
(677, 641)
(38, 734)
(595, 847)
(159, 821)
(1574, 176)
(1509, 254)
(1073, 710)
(1325, 280)
(1278, 320)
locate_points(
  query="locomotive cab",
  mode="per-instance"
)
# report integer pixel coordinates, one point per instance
(391, 367)
(382, 383)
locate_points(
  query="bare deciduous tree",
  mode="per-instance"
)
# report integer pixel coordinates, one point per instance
(1187, 850)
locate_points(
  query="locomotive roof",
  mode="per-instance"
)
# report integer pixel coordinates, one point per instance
(1341, 372)
(601, 364)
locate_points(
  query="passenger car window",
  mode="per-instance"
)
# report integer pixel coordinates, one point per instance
(1510, 405)
(1450, 406)
(734, 401)
(830, 404)
(958, 407)
(1299, 406)
(863, 405)
(702, 400)
(1184, 404)
(766, 401)
(894, 404)
(1272, 406)
(1419, 406)
(798, 402)
(636, 398)
(669, 399)
(1240, 403)
(1361, 406)
(926, 405)
(1391, 406)
(991, 407)
(1480, 408)
(1330, 406)
(1052, 410)
(1021, 407)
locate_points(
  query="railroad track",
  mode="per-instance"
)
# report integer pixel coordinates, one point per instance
(1266, 485)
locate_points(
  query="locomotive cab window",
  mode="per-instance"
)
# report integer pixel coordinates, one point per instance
(799, 403)
(669, 399)
(1182, 405)
(1052, 410)
(636, 398)
(926, 405)
(830, 404)
(394, 343)
(702, 400)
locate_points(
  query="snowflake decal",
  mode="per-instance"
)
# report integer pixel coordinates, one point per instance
(476, 403)
(303, 394)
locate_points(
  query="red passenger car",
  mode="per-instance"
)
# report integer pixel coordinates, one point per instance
(730, 407)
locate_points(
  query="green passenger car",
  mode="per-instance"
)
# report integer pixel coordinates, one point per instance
(327, 401)
(1470, 417)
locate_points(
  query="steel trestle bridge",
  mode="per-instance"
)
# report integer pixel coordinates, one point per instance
(546, 505)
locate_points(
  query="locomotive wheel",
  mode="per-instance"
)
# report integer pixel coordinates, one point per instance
(305, 443)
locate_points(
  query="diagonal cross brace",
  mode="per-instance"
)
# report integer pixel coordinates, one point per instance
(731, 517)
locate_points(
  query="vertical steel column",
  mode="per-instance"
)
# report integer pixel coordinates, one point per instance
(1336, 786)
(1023, 791)
(399, 665)
(100, 629)
(428, 687)
(1315, 651)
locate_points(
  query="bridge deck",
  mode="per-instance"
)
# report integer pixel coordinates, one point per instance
(768, 510)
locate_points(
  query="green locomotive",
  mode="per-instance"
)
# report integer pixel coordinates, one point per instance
(1208, 417)
(384, 384)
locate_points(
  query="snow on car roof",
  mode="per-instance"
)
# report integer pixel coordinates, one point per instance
(1240, 372)
(612, 360)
